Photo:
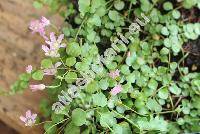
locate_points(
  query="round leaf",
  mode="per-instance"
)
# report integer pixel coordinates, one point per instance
(99, 99)
(46, 63)
(70, 61)
(163, 93)
(73, 49)
(38, 75)
(78, 117)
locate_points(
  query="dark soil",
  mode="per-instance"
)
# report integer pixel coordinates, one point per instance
(193, 59)
(4, 129)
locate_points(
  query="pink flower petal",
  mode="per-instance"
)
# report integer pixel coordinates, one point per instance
(22, 118)
(48, 42)
(28, 113)
(45, 37)
(29, 69)
(52, 37)
(50, 71)
(37, 87)
(35, 25)
(114, 74)
(39, 26)
(45, 48)
(30, 119)
(45, 21)
(117, 89)
(60, 38)
(42, 32)
(33, 117)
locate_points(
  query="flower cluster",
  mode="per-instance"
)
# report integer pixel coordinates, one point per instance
(117, 89)
(53, 45)
(29, 119)
(114, 74)
(38, 26)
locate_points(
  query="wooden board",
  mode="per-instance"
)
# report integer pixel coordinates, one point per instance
(18, 48)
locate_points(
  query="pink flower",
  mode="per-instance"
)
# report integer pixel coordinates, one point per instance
(44, 21)
(49, 52)
(52, 70)
(114, 74)
(29, 69)
(29, 119)
(53, 45)
(37, 87)
(38, 26)
(117, 89)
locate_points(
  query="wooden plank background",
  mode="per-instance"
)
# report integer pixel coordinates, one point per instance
(18, 48)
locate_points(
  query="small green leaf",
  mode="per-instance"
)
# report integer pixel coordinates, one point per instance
(165, 31)
(70, 61)
(119, 5)
(71, 77)
(95, 20)
(114, 15)
(156, 123)
(131, 78)
(46, 63)
(57, 118)
(37, 4)
(84, 6)
(70, 127)
(153, 105)
(168, 6)
(122, 128)
(175, 89)
(92, 87)
(73, 49)
(176, 14)
(173, 66)
(96, 4)
(38, 75)
(66, 31)
(107, 119)
(163, 93)
(164, 51)
(176, 47)
(167, 42)
(145, 5)
(153, 84)
(189, 3)
(103, 84)
(125, 69)
(101, 11)
(99, 99)
(78, 117)
(25, 77)
(91, 36)
(50, 128)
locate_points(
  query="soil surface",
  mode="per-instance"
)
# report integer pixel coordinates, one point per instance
(192, 46)
(193, 59)
(6, 129)
(19, 48)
